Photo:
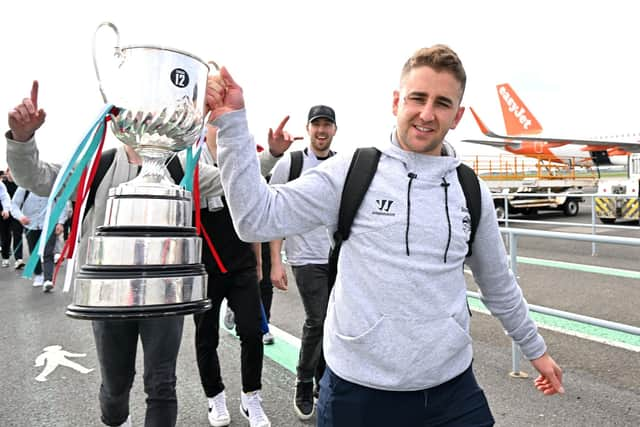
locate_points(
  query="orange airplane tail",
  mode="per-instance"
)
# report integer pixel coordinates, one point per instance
(518, 120)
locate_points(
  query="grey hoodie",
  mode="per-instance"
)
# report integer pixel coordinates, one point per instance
(397, 316)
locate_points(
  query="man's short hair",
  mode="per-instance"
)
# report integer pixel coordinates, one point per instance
(439, 57)
(321, 112)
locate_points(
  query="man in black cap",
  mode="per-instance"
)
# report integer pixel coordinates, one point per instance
(308, 256)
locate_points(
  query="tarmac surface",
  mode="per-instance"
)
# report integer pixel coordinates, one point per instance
(601, 372)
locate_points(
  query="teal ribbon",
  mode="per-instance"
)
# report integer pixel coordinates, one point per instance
(190, 165)
(67, 182)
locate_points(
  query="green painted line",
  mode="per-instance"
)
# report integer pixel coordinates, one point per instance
(554, 322)
(283, 352)
(630, 274)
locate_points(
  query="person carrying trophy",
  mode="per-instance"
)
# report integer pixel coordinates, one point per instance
(116, 340)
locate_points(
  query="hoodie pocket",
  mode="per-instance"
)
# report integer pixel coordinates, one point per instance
(405, 353)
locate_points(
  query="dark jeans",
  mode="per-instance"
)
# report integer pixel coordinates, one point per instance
(10, 237)
(460, 402)
(47, 256)
(116, 345)
(240, 288)
(312, 282)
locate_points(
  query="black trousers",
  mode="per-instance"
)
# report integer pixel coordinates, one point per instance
(241, 290)
(10, 237)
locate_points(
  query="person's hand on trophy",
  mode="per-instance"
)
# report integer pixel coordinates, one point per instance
(26, 118)
(223, 94)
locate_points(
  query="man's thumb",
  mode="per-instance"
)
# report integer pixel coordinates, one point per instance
(226, 76)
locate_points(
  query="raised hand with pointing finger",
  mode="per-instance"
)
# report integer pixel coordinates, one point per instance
(280, 140)
(26, 118)
(223, 94)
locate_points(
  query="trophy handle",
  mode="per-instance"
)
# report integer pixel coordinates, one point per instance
(117, 53)
(215, 65)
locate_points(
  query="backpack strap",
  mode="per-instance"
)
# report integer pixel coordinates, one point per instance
(24, 199)
(359, 176)
(471, 189)
(296, 165)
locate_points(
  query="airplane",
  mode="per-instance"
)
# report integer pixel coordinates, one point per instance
(520, 123)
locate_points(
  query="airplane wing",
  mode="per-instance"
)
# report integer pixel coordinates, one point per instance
(494, 143)
(630, 146)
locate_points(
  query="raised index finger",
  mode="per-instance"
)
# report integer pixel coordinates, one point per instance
(282, 124)
(34, 94)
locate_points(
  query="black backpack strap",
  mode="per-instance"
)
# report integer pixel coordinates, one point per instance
(296, 165)
(106, 159)
(359, 176)
(471, 188)
(24, 199)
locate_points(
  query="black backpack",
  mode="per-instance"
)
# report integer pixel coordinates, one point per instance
(361, 171)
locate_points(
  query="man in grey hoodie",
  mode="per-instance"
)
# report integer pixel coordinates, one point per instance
(396, 336)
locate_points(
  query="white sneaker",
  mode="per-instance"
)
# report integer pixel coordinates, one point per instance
(127, 423)
(38, 281)
(218, 412)
(47, 286)
(56, 257)
(268, 339)
(19, 264)
(5, 263)
(251, 409)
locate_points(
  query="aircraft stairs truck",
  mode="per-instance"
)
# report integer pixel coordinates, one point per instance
(518, 188)
(619, 199)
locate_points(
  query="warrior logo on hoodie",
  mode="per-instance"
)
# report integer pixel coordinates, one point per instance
(466, 224)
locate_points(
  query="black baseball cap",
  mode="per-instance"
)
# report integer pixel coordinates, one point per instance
(321, 112)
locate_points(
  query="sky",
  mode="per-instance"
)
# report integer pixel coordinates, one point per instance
(575, 64)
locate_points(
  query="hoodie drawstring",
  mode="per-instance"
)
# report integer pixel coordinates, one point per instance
(412, 176)
(445, 185)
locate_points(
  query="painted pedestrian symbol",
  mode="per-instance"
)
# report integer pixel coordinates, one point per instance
(55, 356)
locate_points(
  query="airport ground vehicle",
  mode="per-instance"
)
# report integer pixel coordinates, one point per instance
(520, 188)
(619, 199)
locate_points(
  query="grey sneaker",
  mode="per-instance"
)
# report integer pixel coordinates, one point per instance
(19, 264)
(47, 286)
(268, 339)
(218, 412)
(229, 319)
(251, 409)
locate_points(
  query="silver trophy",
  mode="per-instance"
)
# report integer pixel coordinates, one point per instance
(145, 260)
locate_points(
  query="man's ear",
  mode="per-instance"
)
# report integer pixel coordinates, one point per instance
(458, 117)
(396, 102)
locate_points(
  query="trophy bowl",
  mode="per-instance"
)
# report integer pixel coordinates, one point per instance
(145, 260)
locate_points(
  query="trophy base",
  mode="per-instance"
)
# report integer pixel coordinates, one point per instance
(136, 313)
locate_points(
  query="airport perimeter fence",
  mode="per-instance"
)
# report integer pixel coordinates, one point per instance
(595, 223)
(513, 235)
